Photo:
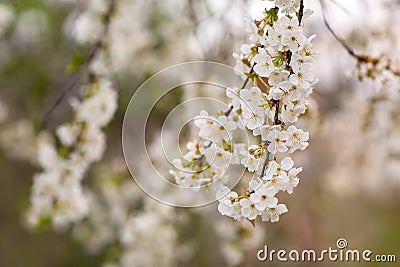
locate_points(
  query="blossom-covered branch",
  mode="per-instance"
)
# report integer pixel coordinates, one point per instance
(279, 62)
(367, 66)
(57, 194)
(92, 54)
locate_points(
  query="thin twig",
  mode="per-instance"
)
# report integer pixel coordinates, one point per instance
(93, 51)
(228, 112)
(248, 79)
(64, 92)
(276, 118)
(360, 58)
(276, 122)
(336, 36)
(264, 165)
(301, 11)
(301, 14)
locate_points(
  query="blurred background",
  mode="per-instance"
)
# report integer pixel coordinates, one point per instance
(350, 182)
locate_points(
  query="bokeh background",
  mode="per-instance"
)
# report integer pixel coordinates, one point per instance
(350, 183)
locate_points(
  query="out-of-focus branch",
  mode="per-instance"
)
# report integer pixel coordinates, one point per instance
(192, 13)
(359, 57)
(93, 52)
(337, 37)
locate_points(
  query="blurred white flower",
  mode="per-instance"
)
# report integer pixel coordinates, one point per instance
(263, 62)
(32, 26)
(87, 28)
(272, 214)
(7, 16)
(98, 109)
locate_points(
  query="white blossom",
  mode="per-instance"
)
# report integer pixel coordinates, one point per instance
(277, 139)
(282, 73)
(87, 28)
(98, 109)
(252, 117)
(264, 65)
(252, 29)
(252, 97)
(293, 179)
(297, 139)
(252, 160)
(248, 209)
(272, 214)
(68, 133)
(264, 197)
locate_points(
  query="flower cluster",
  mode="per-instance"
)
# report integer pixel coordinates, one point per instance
(19, 140)
(151, 228)
(238, 239)
(278, 60)
(380, 69)
(57, 196)
(260, 199)
(125, 223)
(280, 64)
(369, 163)
(206, 161)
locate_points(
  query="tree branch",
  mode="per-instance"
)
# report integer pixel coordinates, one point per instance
(277, 103)
(247, 78)
(359, 57)
(93, 52)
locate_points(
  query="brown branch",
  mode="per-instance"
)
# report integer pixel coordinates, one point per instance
(276, 122)
(93, 52)
(301, 11)
(248, 79)
(359, 57)
(337, 37)
(266, 161)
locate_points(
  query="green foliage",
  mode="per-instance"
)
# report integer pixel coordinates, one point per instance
(76, 62)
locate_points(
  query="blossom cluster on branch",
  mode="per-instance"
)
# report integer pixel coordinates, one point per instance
(370, 105)
(110, 215)
(278, 60)
(57, 196)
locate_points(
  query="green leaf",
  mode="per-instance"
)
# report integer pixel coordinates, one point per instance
(44, 221)
(253, 222)
(76, 62)
(271, 15)
(251, 76)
